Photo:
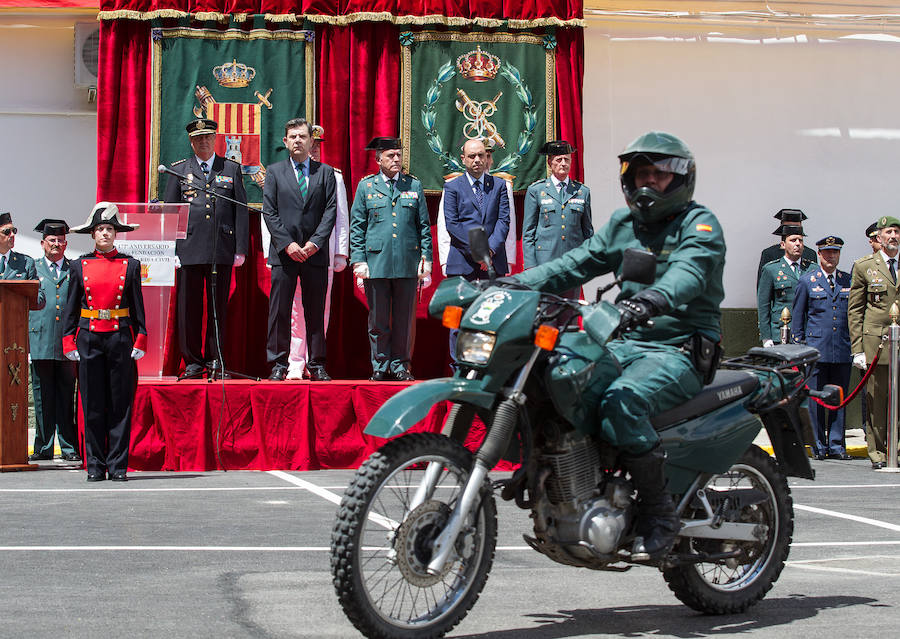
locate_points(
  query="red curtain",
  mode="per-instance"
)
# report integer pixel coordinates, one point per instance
(358, 68)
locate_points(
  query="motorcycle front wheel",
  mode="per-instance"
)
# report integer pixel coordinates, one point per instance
(732, 585)
(381, 547)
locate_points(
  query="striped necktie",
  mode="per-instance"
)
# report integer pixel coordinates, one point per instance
(302, 180)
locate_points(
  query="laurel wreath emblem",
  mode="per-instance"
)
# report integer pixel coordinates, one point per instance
(526, 137)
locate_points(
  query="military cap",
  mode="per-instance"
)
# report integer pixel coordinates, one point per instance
(872, 229)
(5, 218)
(886, 221)
(789, 229)
(556, 147)
(489, 144)
(383, 144)
(49, 226)
(201, 126)
(830, 242)
(790, 215)
(104, 213)
(318, 132)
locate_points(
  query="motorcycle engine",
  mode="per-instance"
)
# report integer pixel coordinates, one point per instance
(584, 514)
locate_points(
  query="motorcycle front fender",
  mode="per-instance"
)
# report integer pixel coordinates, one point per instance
(409, 406)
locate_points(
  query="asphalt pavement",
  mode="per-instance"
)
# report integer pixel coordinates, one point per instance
(245, 554)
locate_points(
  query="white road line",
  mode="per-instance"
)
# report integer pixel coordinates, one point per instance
(847, 571)
(823, 544)
(862, 520)
(832, 486)
(170, 548)
(146, 490)
(334, 498)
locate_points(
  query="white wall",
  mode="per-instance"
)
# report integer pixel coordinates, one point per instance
(48, 130)
(807, 120)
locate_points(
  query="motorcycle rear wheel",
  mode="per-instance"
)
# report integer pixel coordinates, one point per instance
(731, 586)
(380, 549)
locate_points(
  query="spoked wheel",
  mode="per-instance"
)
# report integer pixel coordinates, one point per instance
(381, 547)
(732, 585)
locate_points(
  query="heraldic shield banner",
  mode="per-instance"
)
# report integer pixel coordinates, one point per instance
(500, 87)
(250, 81)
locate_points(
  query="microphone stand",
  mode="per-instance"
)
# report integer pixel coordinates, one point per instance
(218, 370)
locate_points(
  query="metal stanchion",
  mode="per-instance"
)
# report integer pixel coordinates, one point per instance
(894, 377)
(785, 325)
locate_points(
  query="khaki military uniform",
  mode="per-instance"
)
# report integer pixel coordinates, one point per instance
(872, 291)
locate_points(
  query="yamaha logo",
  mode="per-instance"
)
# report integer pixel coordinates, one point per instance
(729, 393)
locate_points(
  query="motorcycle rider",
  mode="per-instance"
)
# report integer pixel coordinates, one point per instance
(667, 362)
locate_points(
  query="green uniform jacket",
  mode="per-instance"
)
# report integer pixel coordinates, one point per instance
(690, 250)
(775, 252)
(21, 267)
(774, 293)
(871, 296)
(45, 326)
(554, 222)
(390, 230)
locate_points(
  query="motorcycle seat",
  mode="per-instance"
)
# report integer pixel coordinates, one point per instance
(726, 387)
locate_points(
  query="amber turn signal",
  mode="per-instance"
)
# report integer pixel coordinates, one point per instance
(546, 337)
(452, 316)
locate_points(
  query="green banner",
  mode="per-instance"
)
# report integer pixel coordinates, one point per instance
(463, 86)
(250, 81)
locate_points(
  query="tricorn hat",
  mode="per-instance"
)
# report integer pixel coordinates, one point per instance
(201, 126)
(49, 226)
(556, 147)
(383, 144)
(104, 213)
(790, 215)
(789, 229)
(5, 218)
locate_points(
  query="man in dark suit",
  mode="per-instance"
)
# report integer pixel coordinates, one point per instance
(52, 375)
(299, 207)
(217, 234)
(819, 319)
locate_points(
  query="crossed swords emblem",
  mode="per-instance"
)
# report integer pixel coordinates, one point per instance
(477, 113)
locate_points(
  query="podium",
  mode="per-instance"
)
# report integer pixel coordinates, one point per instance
(16, 298)
(153, 244)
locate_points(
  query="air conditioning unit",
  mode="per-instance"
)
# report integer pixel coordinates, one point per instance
(87, 49)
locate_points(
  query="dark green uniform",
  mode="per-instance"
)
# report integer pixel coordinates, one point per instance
(391, 232)
(657, 374)
(774, 293)
(554, 222)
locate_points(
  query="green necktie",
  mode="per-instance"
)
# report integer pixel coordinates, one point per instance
(301, 181)
(2, 264)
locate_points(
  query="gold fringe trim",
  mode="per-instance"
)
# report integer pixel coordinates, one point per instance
(345, 20)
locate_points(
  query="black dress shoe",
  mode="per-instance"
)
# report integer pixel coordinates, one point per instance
(821, 456)
(96, 476)
(39, 457)
(118, 477)
(404, 376)
(318, 374)
(193, 371)
(71, 457)
(379, 376)
(278, 373)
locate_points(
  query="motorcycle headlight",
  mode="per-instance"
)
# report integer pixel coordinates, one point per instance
(474, 347)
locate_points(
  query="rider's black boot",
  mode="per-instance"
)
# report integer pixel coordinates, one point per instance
(657, 523)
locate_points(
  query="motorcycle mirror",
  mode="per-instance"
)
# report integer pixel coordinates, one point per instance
(479, 249)
(638, 266)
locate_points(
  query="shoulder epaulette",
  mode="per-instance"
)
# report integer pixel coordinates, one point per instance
(336, 170)
(536, 181)
(370, 175)
(414, 177)
(177, 162)
(772, 262)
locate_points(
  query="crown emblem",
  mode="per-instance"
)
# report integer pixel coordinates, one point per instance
(234, 74)
(478, 65)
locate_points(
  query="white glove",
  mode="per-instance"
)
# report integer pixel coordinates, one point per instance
(137, 353)
(239, 260)
(74, 356)
(361, 270)
(859, 360)
(767, 343)
(340, 263)
(424, 269)
(177, 262)
(425, 281)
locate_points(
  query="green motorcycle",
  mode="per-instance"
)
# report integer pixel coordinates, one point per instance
(415, 534)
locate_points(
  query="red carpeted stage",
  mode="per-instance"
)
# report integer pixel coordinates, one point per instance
(259, 425)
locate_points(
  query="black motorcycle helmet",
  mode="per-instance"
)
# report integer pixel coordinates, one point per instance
(667, 153)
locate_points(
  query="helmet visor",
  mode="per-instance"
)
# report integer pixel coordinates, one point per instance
(667, 163)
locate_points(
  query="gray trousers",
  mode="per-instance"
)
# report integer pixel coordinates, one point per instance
(392, 310)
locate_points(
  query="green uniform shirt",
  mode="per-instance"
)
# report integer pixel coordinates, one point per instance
(554, 222)
(774, 293)
(690, 250)
(389, 228)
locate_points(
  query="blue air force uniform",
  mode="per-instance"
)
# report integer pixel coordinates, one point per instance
(819, 319)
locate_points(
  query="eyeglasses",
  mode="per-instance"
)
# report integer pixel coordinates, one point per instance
(10, 231)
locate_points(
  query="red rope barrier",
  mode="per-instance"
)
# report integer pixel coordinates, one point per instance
(856, 390)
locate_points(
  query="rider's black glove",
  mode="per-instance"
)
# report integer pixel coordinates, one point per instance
(636, 310)
(508, 281)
